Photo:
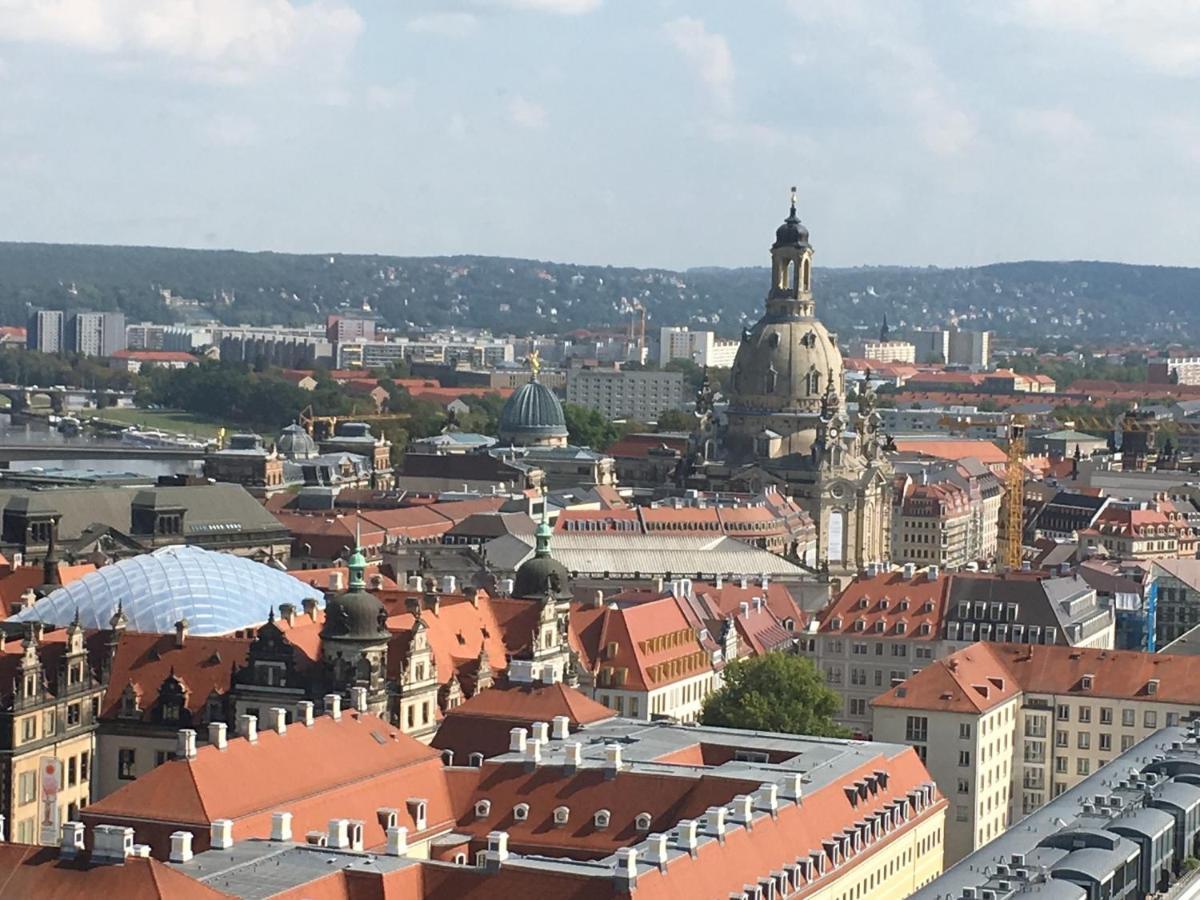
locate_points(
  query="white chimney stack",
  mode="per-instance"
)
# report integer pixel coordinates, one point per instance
(248, 727)
(908, 571)
(612, 758)
(220, 834)
(335, 582)
(743, 582)
(277, 717)
(793, 786)
(573, 753)
(185, 743)
(416, 583)
(333, 705)
(714, 821)
(516, 740)
(339, 834)
(533, 751)
(181, 847)
(281, 826)
(767, 797)
(743, 809)
(626, 869)
(216, 735)
(656, 849)
(111, 842)
(304, 713)
(72, 840)
(540, 732)
(397, 841)
(560, 728)
(687, 835)
(504, 587)
(449, 584)
(933, 573)
(497, 851)
(358, 696)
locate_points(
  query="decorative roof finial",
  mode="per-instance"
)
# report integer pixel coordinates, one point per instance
(535, 362)
(793, 211)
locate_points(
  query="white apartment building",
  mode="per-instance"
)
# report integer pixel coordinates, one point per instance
(1005, 728)
(703, 348)
(640, 394)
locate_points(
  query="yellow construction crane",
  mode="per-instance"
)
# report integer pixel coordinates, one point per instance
(1014, 492)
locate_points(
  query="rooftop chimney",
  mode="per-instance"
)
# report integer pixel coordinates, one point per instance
(744, 608)
(908, 571)
(309, 605)
(185, 743)
(287, 612)
(181, 632)
(449, 584)
(72, 840)
(767, 797)
(743, 809)
(339, 834)
(375, 582)
(181, 846)
(497, 851)
(612, 760)
(597, 599)
(333, 705)
(216, 735)
(686, 838)
(248, 727)
(533, 751)
(304, 713)
(336, 585)
(793, 786)
(504, 587)
(358, 696)
(416, 583)
(516, 740)
(933, 573)
(656, 849)
(626, 868)
(560, 728)
(281, 826)
(540, 732)
(397, 841)
(111, 843)
(220, 834)
(277, 719)
(743, 582)
(573, 754)
(714, 821)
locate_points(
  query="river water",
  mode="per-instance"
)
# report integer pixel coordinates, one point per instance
(40, 435)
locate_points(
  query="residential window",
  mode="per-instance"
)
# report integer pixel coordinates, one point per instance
(1172, 719)
(160, 757)
(964, 757)
(916, 729)
(1060, 765)
(1063, 714)
(26, 788)
(1150, 719)
(964, 731)
(1128, 718)
(29, 728)
(964, 786)
(1085, 714)
(72, 772)
(1083, 766)
(1106, 741)
(1106, 715)
(962, 813)
(73, 713)
(1061, 738)
(1084, 740)
(858, 706)
(126, 763)
(1126, 742)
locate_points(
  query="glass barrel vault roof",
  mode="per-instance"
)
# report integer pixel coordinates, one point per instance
(216, 592)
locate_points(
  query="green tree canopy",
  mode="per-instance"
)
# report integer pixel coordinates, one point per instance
(775, 692)
(586, 427)
(676, 420)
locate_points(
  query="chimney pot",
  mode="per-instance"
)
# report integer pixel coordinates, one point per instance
(185, 743)
(217, 735)
(304, 713)
(561, 728)
(333, 705)
(181, 846)
(111, 842)
(397, 841)
(72, 840)
(281, 826)
(516, 740)
(793, 786)
(277, 716)
(220, 834)
(248, 727)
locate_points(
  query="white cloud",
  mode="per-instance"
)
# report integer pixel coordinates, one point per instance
(558, 7)
(393, 97)
(1163, 35)
(228, 40)
(706, 51)
(1061, 127)
(526, 113)
(228, 130)
(448, 24)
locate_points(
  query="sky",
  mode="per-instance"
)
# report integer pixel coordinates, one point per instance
(624, 132)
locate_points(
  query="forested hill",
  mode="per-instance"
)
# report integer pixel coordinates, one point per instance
(1024, 300)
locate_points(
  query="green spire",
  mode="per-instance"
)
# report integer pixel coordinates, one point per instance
(358, 562)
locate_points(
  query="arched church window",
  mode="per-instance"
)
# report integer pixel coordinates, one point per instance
(790, 282)
(804, 276)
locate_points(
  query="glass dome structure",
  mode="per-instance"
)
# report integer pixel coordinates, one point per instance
(216, 592)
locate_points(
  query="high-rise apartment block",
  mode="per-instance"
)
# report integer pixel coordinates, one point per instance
(45, 331)
(703, 348)
(95, 333)
(618, 394)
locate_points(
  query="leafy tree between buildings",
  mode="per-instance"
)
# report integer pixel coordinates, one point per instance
(774, 692)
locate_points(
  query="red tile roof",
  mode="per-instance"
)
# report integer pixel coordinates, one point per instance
(889, 599)
(332, 769)
(30, 872)
(984, 451)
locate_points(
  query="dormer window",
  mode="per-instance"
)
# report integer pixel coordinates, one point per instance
(601, 818)
(1085, 683)
(561, 815)
(418, 809)
(520, 812)
(642, 822)
(483, 809)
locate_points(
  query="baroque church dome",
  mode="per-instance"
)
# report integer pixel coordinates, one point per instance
(533, 415)
(788, 363)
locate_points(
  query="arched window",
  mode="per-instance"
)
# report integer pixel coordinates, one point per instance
(790, 281)
(804, 275)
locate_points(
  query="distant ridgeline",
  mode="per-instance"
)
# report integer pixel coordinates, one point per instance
(1031, 300)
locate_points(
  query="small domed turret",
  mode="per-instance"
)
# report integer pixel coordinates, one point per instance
(355, 614)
